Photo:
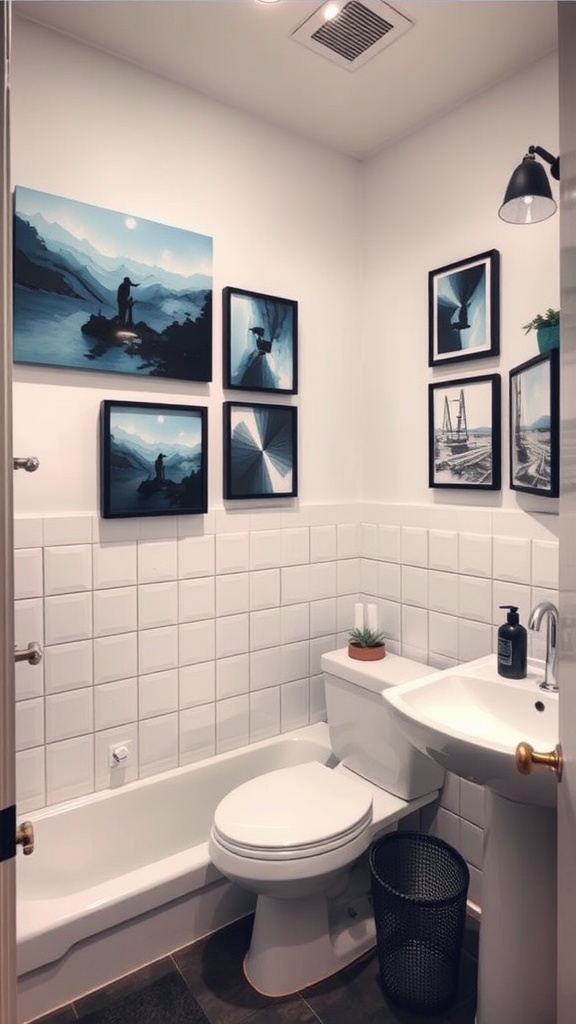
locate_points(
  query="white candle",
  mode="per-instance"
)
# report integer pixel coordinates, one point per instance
(372, 617)
(358, 616)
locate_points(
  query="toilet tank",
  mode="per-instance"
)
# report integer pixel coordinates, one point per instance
(363, 735)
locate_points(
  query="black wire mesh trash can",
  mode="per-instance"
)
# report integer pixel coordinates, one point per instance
(419, 889)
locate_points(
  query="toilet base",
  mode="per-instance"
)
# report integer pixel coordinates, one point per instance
(298, 942)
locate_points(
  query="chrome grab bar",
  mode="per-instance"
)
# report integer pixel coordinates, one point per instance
(30, 463)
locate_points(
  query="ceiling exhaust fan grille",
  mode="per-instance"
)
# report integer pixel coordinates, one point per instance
(352, 31)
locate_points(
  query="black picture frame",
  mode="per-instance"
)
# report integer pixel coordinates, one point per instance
(260, 450)
(260, 342)
(535, 425)
(464, 433)
(464, 309)
(154, 459)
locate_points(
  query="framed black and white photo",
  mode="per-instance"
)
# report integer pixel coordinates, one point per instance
(260, 451)
(534, 426)
(464, 436)
(154, 459)
(464, 309)
(260, 341)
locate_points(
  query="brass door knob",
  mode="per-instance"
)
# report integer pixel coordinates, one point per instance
(25, 837)
(527, 759)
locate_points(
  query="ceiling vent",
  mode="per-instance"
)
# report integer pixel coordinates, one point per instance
(354, 34)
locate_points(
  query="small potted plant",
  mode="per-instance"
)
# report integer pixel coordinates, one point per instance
(366, 645)
(547, 327)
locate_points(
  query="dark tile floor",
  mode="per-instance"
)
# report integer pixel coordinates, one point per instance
(204, 984)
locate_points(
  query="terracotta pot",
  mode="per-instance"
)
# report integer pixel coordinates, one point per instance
(367, 653)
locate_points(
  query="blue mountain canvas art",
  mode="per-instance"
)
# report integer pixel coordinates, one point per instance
(95, 289)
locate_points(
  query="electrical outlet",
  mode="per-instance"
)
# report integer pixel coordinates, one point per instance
(120, 754)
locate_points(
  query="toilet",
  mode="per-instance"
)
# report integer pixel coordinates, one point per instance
(298, 837)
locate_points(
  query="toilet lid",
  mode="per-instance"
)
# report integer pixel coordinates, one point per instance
(293, 812)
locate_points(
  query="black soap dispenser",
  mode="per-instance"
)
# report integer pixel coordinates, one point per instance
(512, 645)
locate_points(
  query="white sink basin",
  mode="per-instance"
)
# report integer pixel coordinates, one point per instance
(470, 721)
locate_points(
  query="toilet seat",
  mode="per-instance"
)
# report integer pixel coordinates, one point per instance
(295, 812)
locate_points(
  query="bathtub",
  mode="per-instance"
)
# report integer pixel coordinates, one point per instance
(121, 877)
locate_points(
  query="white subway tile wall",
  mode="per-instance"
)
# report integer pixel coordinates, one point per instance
(185, 637)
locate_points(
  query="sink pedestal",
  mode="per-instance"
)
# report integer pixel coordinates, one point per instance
(517, 957)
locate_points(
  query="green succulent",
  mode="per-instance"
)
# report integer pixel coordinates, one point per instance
(551, 318)
(366, 637)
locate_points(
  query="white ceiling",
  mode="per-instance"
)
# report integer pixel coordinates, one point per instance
(241, 53)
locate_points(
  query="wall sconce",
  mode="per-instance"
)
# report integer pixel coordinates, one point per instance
(528, 198)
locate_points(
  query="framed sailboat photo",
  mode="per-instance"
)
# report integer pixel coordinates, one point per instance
(534, 426)
(464, 438)
(464, 309)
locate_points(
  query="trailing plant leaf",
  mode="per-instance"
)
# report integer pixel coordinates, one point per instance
(366, 637)
(551, 318)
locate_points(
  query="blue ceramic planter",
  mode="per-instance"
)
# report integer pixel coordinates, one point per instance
(548, 338)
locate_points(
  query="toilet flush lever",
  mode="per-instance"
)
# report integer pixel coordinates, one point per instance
(32, 654)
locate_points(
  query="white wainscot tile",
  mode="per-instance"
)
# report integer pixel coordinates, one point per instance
(264, 668)
(471, 843)
(475, 555)
(322, 618)
(437, 821)
(114, 565)
(450, 793)
(265, 629)
(443, 634)
(157, 560)
(296, 546)
(415, 627)
(232, 723)
(419, 654)
(317, 699)
(30, 780)
(28, 576)
(107, 776)
(440, 661)
(474, 640)
(475, 598)
(264, 714)
(512, 559)
(67, 530)
(348, 576)
(158, 745)
(158, 528)
(196, 599)
(196, 641)
(157, 605)
(510, 593)
(414, 546)
(197, 684)
(294, 661)
(232, 552)
(443, 592)
(68, 570)
(233, 593)
(115, 531)
(369, 540)
(157, 649)
(69, 714)
(197, 733)
(295, 622)
(294, 704)
(319, 646)
(389, 543)
(323, 544)
(348, 540)
(295, 584)
(29, 723)
(28, 627)
(389, 581)
(475, 886)
(545, 564)
(232, 676)
(390, 618)
(69, 769)
(233, 635)
(158, 694)
(323, 580)
(115, 657)
(68, 666)
(28, 532)
(414, 586)
(264, 589)
(265, 549)
(115, 611)
(369, 576)
(443, 550)
(196, 556)
(472, 802)
(67, 618)
(345, 612)
(116, 703)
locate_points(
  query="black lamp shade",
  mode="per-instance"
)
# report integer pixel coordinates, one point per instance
(528, 197)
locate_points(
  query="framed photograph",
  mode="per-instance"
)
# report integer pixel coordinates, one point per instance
(99, 290)
(260, 451)
(260, 342)
(534, 426)
(154, 459)
(464, 309)
(464, 440)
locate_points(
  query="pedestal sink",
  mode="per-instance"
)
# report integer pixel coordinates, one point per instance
(470, 720)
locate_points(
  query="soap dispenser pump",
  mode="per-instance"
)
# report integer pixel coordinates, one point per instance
(512, 645)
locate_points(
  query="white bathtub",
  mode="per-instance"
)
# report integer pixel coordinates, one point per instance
(122, 876)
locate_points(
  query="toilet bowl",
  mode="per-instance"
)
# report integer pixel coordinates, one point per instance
(298, 837)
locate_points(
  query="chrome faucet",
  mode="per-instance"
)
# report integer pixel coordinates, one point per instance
(534, 622)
